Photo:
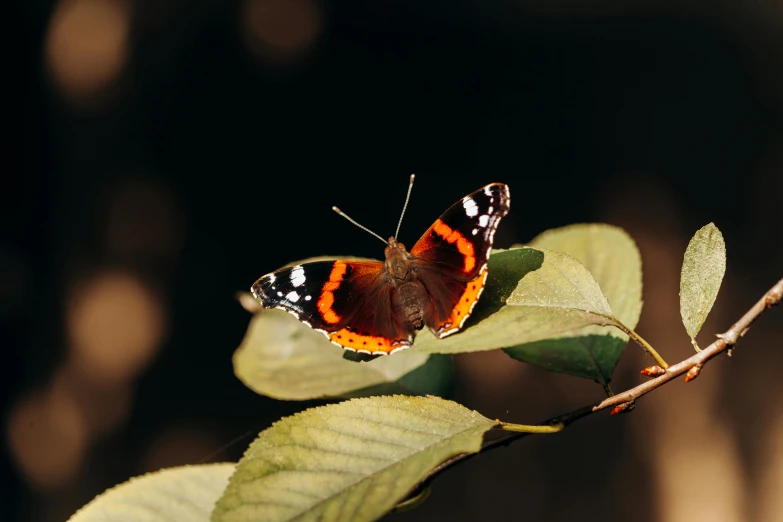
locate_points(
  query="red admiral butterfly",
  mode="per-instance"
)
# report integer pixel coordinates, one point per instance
(374, 307)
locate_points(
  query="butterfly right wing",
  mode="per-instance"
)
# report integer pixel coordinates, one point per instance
(452, 255)
(347, 301)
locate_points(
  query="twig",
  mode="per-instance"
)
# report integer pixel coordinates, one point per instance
(724, 341)
(625, 400)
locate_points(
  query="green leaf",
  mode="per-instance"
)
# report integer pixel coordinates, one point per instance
(589, 356)
(186, 493)
(611, 256)
(282, 358)
(531, 295)
(702, 273)
(349, 461)
(613, 259)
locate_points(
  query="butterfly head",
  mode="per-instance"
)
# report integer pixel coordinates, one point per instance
(397, 259)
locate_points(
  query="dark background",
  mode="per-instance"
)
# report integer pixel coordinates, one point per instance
(175, 151)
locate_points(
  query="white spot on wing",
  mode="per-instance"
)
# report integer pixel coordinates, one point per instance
(488, 190)
(279, 294)
(308, 297)
(292, 296)
(474, 231)
(470, 206)
(271, 277)
(298, 276)
(483, 221)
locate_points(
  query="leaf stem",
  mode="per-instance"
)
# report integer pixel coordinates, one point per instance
(638, 339)
(531, 428)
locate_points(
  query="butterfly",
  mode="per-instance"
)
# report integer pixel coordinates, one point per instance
(375, 307)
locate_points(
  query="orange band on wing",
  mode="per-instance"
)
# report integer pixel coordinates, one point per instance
(326, 300)
(464, 246)
(366, 343)
(464, 306)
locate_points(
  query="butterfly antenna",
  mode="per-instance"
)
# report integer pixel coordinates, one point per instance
(343, 214)
(407, 198)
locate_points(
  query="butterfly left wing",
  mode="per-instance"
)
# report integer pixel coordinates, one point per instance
(347, 301)
(453, 253)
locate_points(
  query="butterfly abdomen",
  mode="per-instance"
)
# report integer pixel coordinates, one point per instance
(410, 303)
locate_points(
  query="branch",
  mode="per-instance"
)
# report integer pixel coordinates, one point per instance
(693, 365)
(626, 400)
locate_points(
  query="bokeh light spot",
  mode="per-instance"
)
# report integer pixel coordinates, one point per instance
(281, 30)
(144, 221)
(46, 434)
(86, 45)
(116, 326)
(103, 406)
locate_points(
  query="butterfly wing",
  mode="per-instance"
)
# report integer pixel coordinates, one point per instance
(452, 256)
(348, 301)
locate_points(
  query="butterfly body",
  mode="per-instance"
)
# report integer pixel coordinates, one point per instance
(409, 298)
(376, 307)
